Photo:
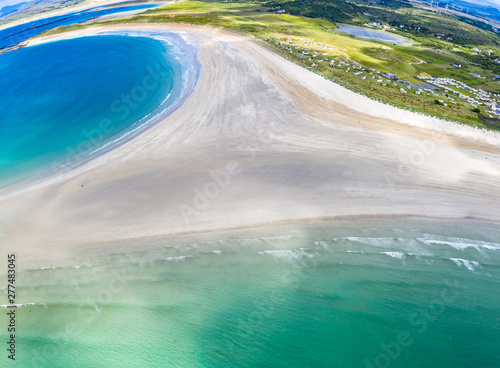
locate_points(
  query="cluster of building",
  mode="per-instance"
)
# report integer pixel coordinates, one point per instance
(385, 79)
(478, 51)
(401, 27)
(310, 50)
(475, 97)
(378, 25)
(441, 36)
(433, 86)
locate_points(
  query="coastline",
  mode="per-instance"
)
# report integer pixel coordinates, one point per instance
(88, 5)
(274, 143)
(181, 53)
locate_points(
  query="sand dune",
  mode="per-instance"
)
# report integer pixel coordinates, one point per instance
(260, 141)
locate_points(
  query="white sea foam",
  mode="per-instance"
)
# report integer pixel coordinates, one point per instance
(398, 255)
(382, 241)
(250, 241)
(459, 243)
(289, 255)
(80, 266)
(369, 240)
(61, 267)
(181, 246)
(418, 246)
(281, 237)
(471, 265)
(407, 245)
(22, 305)
(176, 258)
(322, 244)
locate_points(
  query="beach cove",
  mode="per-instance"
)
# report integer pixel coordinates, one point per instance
(48, 124)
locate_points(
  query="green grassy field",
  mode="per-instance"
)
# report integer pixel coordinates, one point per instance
(408, 60)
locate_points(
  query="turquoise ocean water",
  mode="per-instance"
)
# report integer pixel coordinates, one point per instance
(63, 100)
(363, 295)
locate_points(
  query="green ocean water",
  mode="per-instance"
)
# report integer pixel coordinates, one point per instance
(398, 295)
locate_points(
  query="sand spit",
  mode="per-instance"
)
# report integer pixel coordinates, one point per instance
(260, 141)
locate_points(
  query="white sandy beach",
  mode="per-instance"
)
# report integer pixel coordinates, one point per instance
(260, 141)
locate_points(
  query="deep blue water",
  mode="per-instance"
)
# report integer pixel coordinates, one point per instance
(13, 35)
(59, 101)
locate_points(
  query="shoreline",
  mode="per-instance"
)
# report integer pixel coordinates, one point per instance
(278, 141)
(158, 115)
(214, 240)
